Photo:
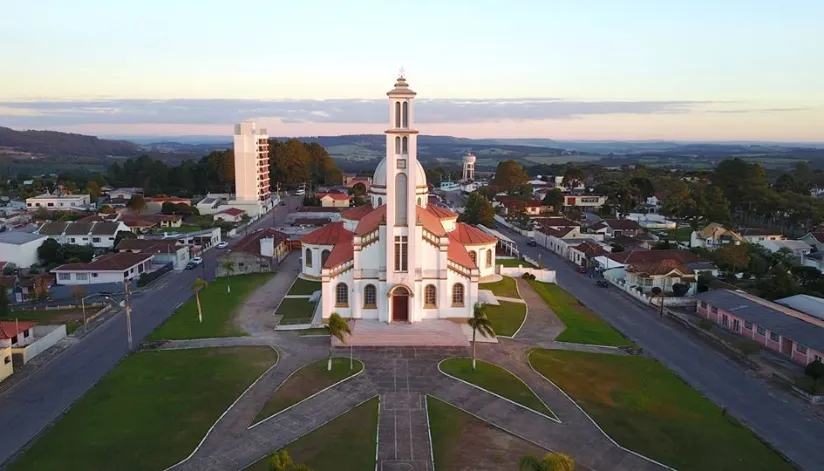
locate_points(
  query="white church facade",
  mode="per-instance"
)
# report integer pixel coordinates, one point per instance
(399, 258)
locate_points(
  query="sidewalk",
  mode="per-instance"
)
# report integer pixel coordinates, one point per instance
(256, 315)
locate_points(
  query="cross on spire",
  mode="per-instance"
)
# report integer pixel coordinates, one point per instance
(402, 73)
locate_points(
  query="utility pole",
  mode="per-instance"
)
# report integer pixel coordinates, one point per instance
(127, 290)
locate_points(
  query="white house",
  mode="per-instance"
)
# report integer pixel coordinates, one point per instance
(13, 334)
(162, 251)
(798, 248)
(109, 268)
(98, 234)
(20, 248)
(398, 258)
(125, 193)
(715, 236)
(230, 215)
(558, 182)
(587, 202)
(754, 235)
(651, 220)
(59, 202)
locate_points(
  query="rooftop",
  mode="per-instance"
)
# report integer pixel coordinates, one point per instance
(109, 262)
(233, 212)
(251, 243)
(19, 237)
(356, 213)
(47, 196)
(329, 234)
(148, 245)
(9, 329)
(471, 235)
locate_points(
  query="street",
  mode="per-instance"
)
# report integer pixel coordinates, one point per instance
(34, 403)
(785, 425)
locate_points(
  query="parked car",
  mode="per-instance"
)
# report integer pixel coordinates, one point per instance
(602, 283)
(191, 266)
(197, 261)
(222, 245)
(283, 203)
(532, 243)
(581, 270)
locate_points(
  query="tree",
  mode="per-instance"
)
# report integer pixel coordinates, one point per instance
(93, 189)
(735, 256)
(550, 462)
(229, 268)
(137, 203)
(78, 293)
(123, 235)
(680, 289)
(197, 286)
(479, 322)
(338, 328)
(4, 301)
(509, 176)
(554, 198)
(49, 252)
(281, 461)
(573, 177)
(106, 209)
(478, 210)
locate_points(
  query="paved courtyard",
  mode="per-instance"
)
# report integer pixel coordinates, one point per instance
(401, 378)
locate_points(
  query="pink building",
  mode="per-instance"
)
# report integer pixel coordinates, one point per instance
(792, 333)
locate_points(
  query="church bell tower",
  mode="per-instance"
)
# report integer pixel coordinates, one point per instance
(401, 184)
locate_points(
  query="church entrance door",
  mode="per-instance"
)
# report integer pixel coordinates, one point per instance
(400, 305)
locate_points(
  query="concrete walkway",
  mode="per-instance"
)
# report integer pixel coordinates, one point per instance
(256, 315)
(541, 323)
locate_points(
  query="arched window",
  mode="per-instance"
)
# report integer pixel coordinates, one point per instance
(323, 257)
(309, 258)
(405, 145)
(400, 199)
(406, 114)
(430, 296)
(397, 114)
(474, 256)
(489, 258)
(419, 200)
(370, 297)
(380, 201)
(397, 144)
(341, 295)
(457, 295)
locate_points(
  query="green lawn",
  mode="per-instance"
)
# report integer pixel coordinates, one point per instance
(506, 318)
(506, 288)
(296, 311)
(305, 382)
(646, 408)
(513, 262)
(682, 234)
(347, 443)
(218, 309)
(463, 442)
(304, 287)
(582, 325)
(150, 411)
(496, 379)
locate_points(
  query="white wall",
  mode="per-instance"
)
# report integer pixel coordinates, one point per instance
(6, 368)
(45, 337)
(545, 275)
(22, 255)
(70, 277)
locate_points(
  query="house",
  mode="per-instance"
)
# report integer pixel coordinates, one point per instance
(100, 235)
(158, 220)
(163, 251)
(255, 253)
(333, 200)
(586, 202)
(815, 239)
(642, 242)
(125, 193)
(798, 248)
(108, 268)
(560, 238)
(648, 269)
(209, 204)
(612, 228)
(511, 205)
(557, 181)
(351, 179)
(200, 240)
(652, 221)
(714, 236)
(230, 215)
(587, 250)
(754, 234)
(654, 203)
(554, 222)
(59, 202)
(20, 248)
(782, 329)
(13, 334)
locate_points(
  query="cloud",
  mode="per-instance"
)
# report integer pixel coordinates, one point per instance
(45, 114)
(757, 110)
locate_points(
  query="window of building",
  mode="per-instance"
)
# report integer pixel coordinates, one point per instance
(309, 258)
(430, 296)
(7, 360)
(64, 276)
(240, 264)
(397, 114)
(474, 256)
(14, 340)
(748, 325)
(380, 201)
(488, 258)
(736, 325)
(397, 144)
(761, 330)
(457, 295)
(401, 253)
(405, 121)
(725, 321)
(800, 348)
(96, 239)
(27, 334)
(370, 297)
(714, 310)
(702, 304)
(773, 336)
(817, 358)
(400, 199)
(341, 295)
(323, 257)
(72, 240)
(82, 276)
(404, 145)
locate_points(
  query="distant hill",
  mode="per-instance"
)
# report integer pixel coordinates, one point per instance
(54, 144)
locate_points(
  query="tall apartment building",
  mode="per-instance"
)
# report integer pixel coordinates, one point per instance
(251, 163)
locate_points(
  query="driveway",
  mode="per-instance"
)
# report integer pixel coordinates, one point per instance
(779, 420)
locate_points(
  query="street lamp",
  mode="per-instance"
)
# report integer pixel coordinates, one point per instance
(83, 306)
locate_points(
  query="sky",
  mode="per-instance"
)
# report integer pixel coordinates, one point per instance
(561, 69)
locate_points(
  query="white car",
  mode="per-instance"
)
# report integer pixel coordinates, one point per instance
(196, 260)
(222, 245)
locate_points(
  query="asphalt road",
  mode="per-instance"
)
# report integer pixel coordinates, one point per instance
(779, 420)
(34, 403)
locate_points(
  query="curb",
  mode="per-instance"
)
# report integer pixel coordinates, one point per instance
(429, 430)
(526, 314)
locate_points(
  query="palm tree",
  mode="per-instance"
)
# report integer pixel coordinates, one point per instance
(229, 267)
(550, 462)
(337, 328)
(198, 285)
(281, 461)
(479, 323)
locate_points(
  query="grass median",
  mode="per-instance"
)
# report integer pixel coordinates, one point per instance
(505, 287)
(506, 318)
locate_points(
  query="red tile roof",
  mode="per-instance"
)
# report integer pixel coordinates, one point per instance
(251, 243)
(559, 232)
(343, 252)
(555, 222)
(356, 213)
(471, 235)
(656, 262)
(590, 249)
(440, 211)
(457, 253)
(148, 245)
(233, 212)
(329, 234)
(12, 328)
(371, 221)
(334, 196)
(109, 262)
(621, 224)
(430, 222)
(819, 236)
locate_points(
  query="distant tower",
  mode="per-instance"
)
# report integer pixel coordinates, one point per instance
(251, 163)
(468, 168)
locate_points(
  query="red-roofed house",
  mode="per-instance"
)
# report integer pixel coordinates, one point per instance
(109, 268)
(333, 200)
(230, 215)
(258, 252)
(533, 208)
(13, 334)
(398, 258)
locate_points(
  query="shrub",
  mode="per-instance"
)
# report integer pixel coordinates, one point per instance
(805, 383)
(815, 370)
(705, 324)
(680, 289)
(656, 290)
(528, 276)
(747, 346)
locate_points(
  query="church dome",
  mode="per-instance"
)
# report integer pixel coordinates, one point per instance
(379, 178)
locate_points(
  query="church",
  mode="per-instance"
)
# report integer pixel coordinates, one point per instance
(399, 258)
